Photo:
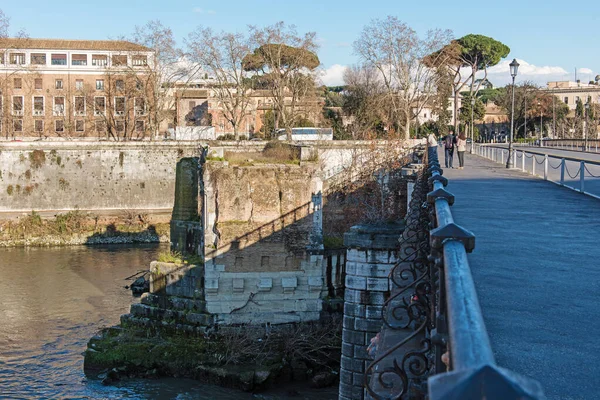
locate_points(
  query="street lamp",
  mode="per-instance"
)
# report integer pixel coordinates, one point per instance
(514, 68)
(585, 113)
(472, 133)
(525, 124)
(541, 122)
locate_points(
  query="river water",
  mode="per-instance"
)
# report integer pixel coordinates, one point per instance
(52, 300)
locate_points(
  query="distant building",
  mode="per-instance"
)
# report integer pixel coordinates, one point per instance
(307, 134)
(570, 92)
(73, 88)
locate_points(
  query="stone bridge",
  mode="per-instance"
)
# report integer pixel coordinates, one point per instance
(495, 287)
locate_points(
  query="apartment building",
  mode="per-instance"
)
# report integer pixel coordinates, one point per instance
(571, 92)
(75, 88)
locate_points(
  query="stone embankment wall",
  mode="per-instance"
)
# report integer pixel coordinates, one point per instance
(89, 176)
(263, 237)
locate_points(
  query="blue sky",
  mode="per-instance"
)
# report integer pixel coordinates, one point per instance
(552, 37)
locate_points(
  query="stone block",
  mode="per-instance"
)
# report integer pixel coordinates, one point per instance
(289, 284)
(354, 310)
(315, 283)
(368, 325)
(356, 282)
(345, 376)
(354, 337)
(348, 349)
(211, 286)
(238, 285)
(265, 284)
(378, 284)
(373, 312)
(360, 353)
(353, 365)
(346, 389)
(358, 379)
(371, 270)
(348, 322)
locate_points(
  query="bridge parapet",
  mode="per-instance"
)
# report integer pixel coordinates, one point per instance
(434, 343)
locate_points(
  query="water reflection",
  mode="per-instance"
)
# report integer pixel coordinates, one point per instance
(52, 300)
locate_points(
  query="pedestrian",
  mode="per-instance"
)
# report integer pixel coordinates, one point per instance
(461, 147)
(432, 140)
(449, 141)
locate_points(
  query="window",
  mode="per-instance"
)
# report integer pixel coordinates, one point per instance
(18, 125)
(119, 105)
(38, 125)
(38, 105)
(79, 125)
(566, 100)
(139, 126)
(120, 125)
(59, 106)
(78, 84)
(576, 99)
(79, 105)
(99, 60)
(99, 106)
(589, 99)
(1, 58)
(118, 60)
(58, 59)
(59, 125)
(139, 61)
(140, 106)
(120, 84)
(38, 83)
(79, 59)
(58, 84)
(17, 58)
(18, 83)
(139, 85)
(17, 108)
(38, 58)
(101, 126)
(99, 84)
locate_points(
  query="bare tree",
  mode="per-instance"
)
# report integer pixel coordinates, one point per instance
(285, 63)
(397, 52)
(155, 76)
(222, 56)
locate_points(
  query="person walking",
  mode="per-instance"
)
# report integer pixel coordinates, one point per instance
(461, 147)
(449, 142)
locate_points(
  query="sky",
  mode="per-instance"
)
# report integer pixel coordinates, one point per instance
(549, 38)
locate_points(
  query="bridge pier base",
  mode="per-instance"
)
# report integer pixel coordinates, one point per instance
(372, 251)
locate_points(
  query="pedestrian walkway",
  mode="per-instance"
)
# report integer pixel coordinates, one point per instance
(536, 266)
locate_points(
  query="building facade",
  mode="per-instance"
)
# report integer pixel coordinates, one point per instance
(75, 88)
(571, 92)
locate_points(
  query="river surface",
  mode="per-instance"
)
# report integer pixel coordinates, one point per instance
(52, 300)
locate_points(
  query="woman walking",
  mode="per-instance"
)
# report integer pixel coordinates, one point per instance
(461, 147)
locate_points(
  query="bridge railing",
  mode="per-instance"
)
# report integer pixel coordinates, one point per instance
(590, 145)
(434, 343)
(576, 173)
(459, 337)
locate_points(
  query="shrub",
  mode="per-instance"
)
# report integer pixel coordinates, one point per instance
(37, 158)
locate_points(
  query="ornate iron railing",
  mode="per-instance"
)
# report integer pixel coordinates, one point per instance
(435, 344)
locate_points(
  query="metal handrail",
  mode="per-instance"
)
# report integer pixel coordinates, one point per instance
(473, 373)
(497, 154)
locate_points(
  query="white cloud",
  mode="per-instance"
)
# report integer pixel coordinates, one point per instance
(199, 10)
(334, 75)
(499, 74)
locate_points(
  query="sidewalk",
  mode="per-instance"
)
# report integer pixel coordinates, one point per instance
(536, 266)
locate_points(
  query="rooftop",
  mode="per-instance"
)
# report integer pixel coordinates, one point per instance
(69, 44)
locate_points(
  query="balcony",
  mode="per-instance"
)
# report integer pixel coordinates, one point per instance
(38, 113)
(120, 113)
(18, 113)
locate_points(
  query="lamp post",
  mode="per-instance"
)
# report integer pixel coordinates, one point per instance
(472, 133)
(585, 112)
(541, 122)
(514, 68)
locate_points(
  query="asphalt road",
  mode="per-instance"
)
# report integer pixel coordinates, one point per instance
(537, 273)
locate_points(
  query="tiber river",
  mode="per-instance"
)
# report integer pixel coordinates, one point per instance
(52, 300)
